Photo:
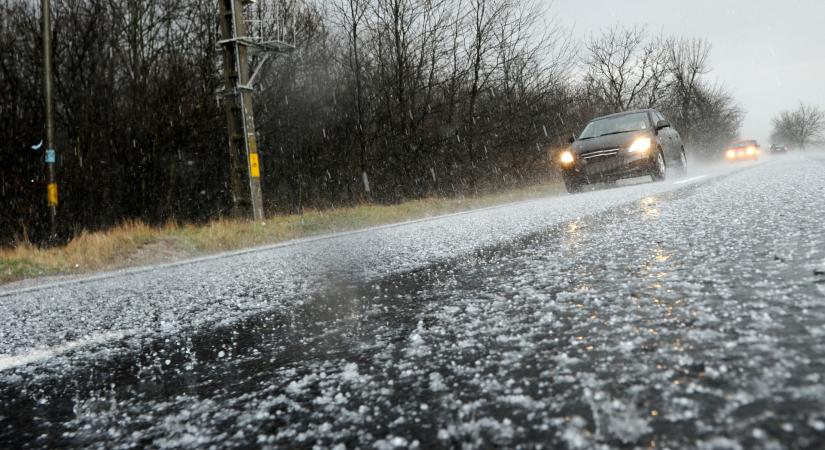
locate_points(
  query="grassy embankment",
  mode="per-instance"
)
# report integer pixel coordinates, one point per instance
(135, 244)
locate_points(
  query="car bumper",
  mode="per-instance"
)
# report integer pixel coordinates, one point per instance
(622, 165)
(743, 158)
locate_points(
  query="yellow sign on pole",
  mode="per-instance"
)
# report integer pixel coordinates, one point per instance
(52, 194)
(254, 166)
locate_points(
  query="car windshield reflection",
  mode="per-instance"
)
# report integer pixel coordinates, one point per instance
(616, 125)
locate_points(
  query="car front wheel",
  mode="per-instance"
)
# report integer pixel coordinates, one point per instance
(574, 184)
(659, 170)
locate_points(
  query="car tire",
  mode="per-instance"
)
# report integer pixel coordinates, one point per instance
(574, 185)
(658, 169)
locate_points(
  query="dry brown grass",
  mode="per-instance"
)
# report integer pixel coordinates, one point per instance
(85, 252)
(135, 243)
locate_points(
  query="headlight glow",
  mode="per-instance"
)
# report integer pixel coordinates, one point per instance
(751, 151)
(641, 145)
(567, 157)
(731, 154)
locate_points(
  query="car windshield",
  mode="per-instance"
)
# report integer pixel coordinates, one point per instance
(743, 144)
(615, 125)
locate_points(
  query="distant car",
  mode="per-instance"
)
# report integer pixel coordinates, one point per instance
(777, 148)
(623, 145)
(743, 151)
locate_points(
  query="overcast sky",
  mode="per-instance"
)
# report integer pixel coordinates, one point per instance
(769, 53)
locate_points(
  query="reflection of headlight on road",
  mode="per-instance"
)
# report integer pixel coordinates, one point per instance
(641, 145)
(567, 158)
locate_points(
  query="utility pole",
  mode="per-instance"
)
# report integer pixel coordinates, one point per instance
(244, 161)
(48, 94)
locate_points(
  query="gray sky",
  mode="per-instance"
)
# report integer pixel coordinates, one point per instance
(770, 54)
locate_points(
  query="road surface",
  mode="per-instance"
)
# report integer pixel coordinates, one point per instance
(688, 313)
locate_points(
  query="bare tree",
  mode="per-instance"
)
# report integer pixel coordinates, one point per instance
(801, 127)
(407, 39)
(483, 16)
(350, 16)
(625, 68)
(534, 56)
(716, 122)
(687, 64)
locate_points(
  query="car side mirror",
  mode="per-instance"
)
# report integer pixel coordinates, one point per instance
(662, 124)
(572, 139)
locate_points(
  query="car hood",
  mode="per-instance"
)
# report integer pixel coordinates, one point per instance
(608, 142)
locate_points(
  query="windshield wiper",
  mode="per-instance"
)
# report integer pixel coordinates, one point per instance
(617, 132)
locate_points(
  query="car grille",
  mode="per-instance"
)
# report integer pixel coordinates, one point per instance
(601, 161)
(600, 154)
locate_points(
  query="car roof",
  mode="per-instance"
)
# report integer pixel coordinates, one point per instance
(635, 111)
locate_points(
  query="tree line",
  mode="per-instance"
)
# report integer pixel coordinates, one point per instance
(800, 127)
(381, 101)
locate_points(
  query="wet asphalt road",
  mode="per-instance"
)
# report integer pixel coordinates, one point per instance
(687, 315)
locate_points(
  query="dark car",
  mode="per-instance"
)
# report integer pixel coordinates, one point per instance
(778, 148)
(747, 150)
(624, 145)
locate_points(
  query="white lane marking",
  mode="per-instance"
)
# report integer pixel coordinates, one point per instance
(42, 354)
(690, 179)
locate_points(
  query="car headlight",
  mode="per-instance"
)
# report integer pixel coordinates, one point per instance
(641, 145)
(731, 154)
(567, 158)
(751, 151)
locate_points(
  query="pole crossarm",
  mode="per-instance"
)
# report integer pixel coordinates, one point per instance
(259, 46)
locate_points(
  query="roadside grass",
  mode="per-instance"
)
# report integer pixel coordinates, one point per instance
(134, 244)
